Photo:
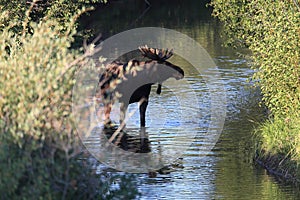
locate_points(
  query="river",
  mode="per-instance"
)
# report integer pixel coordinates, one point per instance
(225, 172)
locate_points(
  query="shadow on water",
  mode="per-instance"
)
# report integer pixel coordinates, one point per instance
(226, 172)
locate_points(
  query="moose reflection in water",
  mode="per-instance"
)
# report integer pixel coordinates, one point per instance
(134, 140)
(136, 143)
(131, 82)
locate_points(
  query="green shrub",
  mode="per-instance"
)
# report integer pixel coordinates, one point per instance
(61, 10)
(271, 30)
(41, 156)
(39, 150)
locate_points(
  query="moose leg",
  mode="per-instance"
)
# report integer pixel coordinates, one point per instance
(107, 110)
(123, 109)
(143, 106)
(158, 91)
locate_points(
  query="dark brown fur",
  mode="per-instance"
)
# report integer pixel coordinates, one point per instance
(133, 81)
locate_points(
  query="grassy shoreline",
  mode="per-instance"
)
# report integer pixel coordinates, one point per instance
(278, 147)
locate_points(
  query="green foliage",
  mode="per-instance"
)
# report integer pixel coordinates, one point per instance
(271, 30)
(61, 10)
(39, 150)
(281, 137)
(36, 80)
(35, 104)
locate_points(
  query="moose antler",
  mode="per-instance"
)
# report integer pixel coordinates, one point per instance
(156, 54)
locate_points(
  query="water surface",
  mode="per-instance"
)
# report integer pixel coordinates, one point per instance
(225, 172)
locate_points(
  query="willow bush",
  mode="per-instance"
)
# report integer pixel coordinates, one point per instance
(39, 150)
(270, 29)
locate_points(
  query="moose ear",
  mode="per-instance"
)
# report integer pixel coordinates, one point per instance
(158, 91)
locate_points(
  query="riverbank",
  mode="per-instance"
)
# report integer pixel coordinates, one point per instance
(278, 149)
(274, 42)
(282, 168)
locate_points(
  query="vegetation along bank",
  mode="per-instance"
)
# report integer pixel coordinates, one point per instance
(40, 154)
(270, 29)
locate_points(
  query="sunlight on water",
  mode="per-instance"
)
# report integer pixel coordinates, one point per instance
(227, 171)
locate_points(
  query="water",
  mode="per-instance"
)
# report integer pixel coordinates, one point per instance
(225, 172)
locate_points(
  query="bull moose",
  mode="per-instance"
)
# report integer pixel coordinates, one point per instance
(131, 82)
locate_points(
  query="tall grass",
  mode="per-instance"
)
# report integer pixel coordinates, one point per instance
(281, 136)
(278, 147)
